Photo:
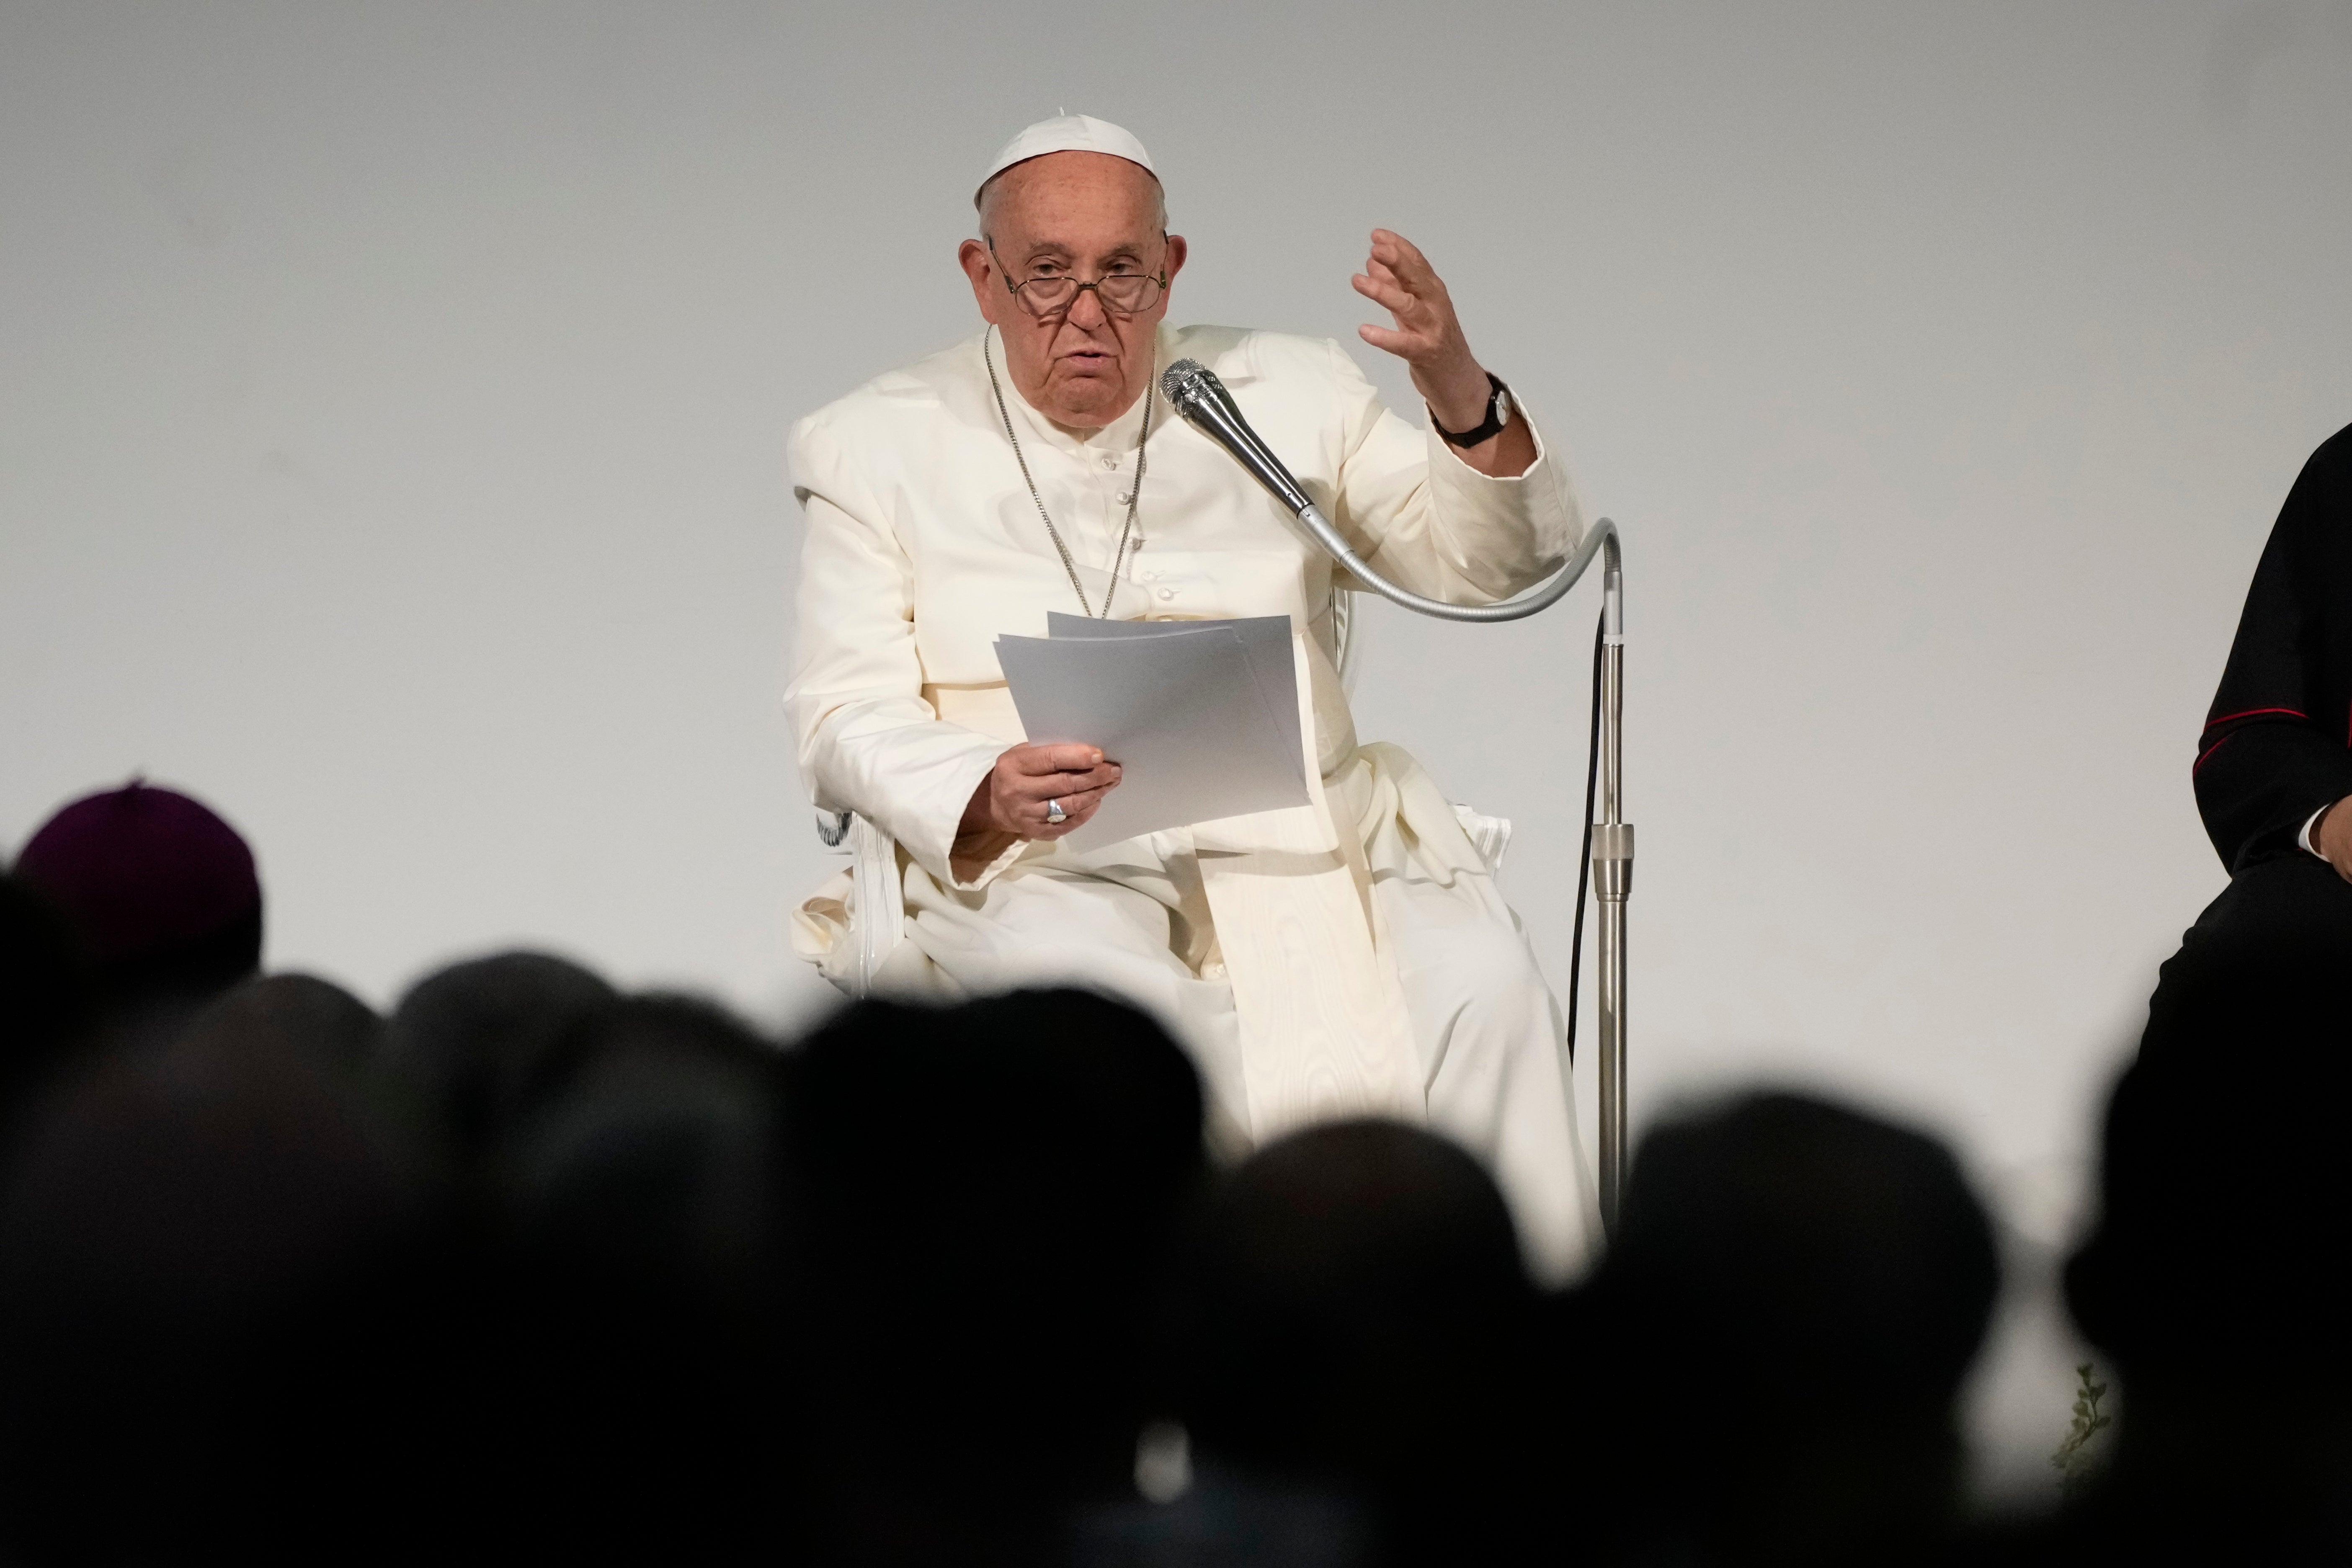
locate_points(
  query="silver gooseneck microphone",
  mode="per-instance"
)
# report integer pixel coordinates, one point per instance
(1194, 392)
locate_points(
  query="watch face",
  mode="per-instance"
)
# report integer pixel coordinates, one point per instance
(1502, 408)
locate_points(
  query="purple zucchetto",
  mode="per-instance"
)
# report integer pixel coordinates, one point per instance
(143, 873)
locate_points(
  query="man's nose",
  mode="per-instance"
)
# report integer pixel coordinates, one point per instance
(1086, 310)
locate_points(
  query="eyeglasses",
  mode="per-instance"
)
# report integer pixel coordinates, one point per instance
(1053, 294)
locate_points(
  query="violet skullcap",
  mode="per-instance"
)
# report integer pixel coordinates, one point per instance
(141, 871)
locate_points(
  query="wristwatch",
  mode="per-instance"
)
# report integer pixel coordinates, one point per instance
(1498, 413)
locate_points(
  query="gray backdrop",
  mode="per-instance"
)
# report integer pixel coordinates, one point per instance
(392, 423)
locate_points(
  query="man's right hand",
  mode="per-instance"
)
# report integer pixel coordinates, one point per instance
(2334, 839)
(1014, 797)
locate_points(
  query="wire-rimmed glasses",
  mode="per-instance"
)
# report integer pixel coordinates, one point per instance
(1052, 294)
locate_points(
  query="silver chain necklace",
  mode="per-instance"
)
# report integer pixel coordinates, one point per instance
(1134, 493)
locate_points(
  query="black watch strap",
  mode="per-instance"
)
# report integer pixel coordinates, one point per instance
(1498, 413)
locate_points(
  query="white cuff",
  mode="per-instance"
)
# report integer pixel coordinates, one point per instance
(990, 872)
(2302, 834)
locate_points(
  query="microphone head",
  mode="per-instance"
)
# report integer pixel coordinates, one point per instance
(1187, 381)
(1195, 392)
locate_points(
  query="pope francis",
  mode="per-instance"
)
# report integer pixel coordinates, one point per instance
(1349, 956)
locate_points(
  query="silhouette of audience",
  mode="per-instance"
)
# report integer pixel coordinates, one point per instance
(636, 1247)
(1346, 1343)
(476, 1044)
(300, 1016)
(986, 1197)
(209, 1250)
(1780, 1327)
(2215, 1282)
(537, 1270)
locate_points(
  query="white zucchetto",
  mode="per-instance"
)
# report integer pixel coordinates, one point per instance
(1067, 133)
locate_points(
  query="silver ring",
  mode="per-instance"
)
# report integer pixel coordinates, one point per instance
(1054, 814)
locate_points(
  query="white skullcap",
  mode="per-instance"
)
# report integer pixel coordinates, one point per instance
(1067, 133)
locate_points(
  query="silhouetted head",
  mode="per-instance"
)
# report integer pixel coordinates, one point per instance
(2226, 1179)
(161, 893)
(652, 1167)
(300, 1014)
(1347, 1287)
(1354, 1321)
(477, 1043)
(1791, 1300)
(210, 1259)
(637, 1200)
(989, 1192)
(1819, 1252)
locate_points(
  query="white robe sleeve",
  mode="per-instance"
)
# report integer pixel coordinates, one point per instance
(1431, 522)
(868, 739)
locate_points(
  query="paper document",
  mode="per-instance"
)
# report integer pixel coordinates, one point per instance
(1264, 638)
(1203, 716)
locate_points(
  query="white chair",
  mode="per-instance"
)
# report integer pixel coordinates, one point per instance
(872, 913)
(876, 908)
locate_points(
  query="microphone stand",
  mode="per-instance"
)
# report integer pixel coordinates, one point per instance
(1613, 884)
(1198, 394)
(1612, 837)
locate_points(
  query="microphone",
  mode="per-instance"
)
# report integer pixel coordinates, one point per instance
(1193, 390)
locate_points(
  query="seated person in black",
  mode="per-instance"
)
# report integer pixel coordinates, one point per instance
(2274, 772)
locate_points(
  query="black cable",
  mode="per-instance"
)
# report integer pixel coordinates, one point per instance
(1584, 860)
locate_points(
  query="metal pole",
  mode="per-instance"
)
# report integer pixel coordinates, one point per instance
(1613, 883)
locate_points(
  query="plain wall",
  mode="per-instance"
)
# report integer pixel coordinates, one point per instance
(391, 403)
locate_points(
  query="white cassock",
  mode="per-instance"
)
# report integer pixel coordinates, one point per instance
(1349, 956)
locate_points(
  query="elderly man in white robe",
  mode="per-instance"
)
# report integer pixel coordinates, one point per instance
(1352, 956)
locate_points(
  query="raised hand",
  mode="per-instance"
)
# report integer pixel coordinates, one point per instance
(1428, 337)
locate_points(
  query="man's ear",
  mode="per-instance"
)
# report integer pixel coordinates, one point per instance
(1177, 251)
(972, 256)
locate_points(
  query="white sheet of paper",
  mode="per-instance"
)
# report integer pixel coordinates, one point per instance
(1265, 638)
(1180, 710)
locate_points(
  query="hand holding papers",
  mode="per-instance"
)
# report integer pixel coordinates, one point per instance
(1203, 716)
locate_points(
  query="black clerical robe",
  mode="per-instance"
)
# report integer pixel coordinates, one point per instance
(2277, 744)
